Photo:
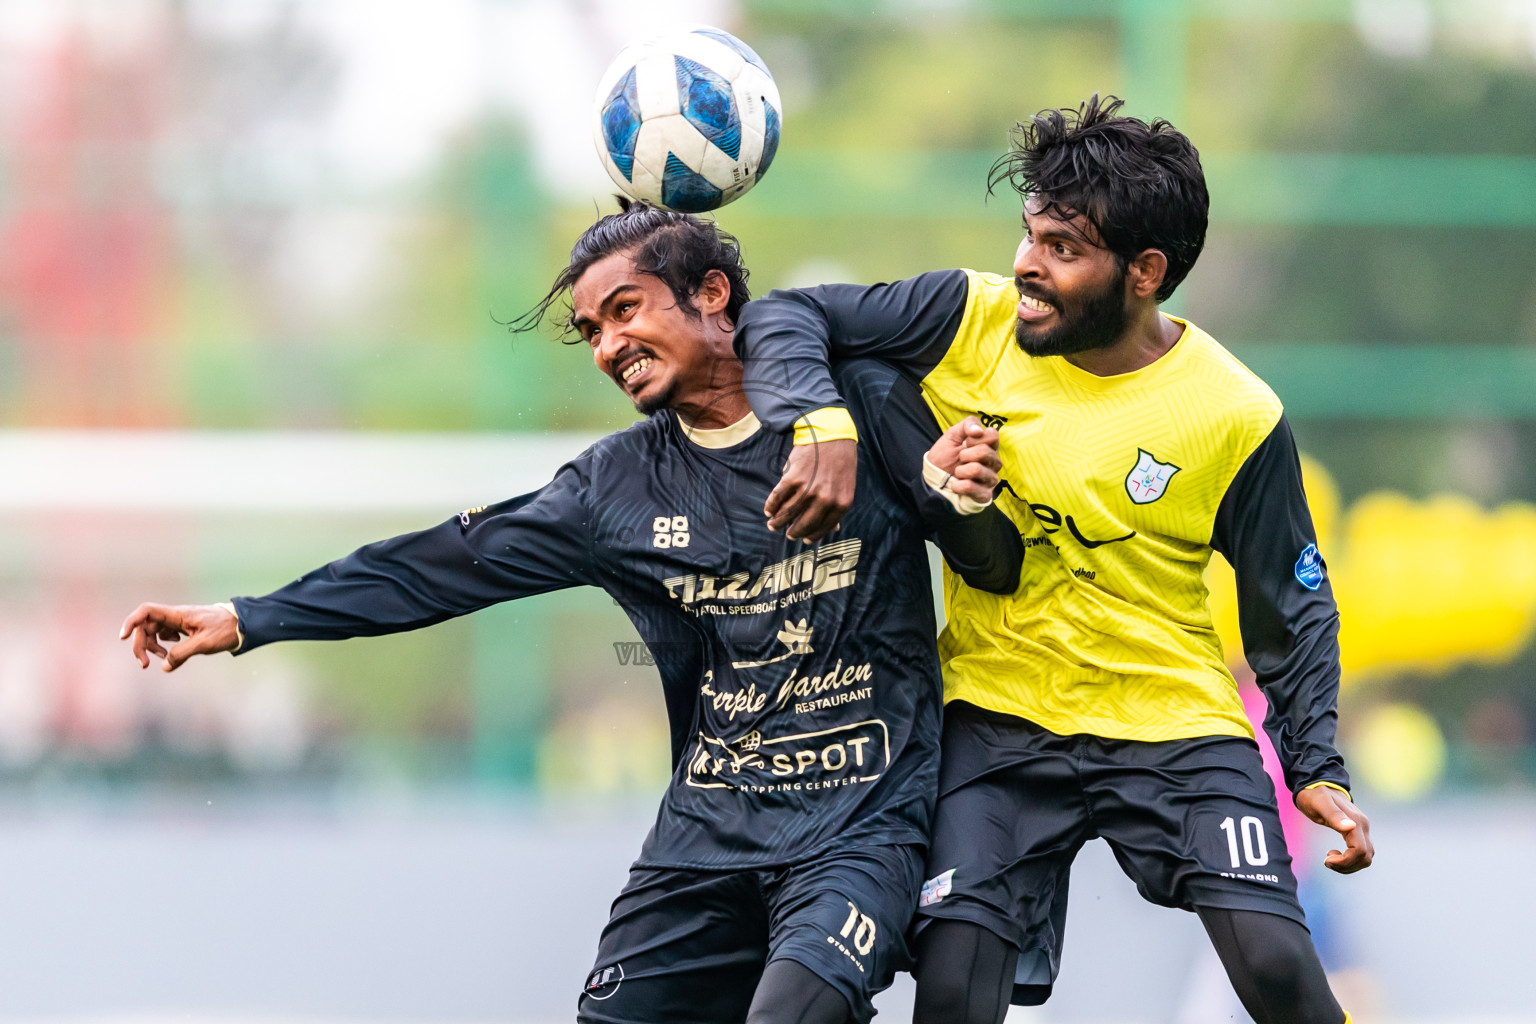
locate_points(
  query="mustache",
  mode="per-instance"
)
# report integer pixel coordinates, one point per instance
(1035, 292)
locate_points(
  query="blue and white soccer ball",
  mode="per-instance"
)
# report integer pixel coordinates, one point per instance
(688, 119)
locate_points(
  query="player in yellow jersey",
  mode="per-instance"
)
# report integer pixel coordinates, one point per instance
(1095, 701)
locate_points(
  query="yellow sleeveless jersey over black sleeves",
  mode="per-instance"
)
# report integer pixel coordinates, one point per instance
(1114, 483)
(1121, 487)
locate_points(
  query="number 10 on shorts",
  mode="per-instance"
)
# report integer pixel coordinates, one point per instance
(1254, 851)
(861, 927)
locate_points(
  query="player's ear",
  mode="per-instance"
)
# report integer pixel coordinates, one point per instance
(1144, 275)
(714, 292)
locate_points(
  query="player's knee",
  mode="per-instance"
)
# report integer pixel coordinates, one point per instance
(1278, 951)
(1274, 969)
(1281, 965)
(964, 975)
(791, 993)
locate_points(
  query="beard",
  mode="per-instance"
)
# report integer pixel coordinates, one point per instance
(661, 399)
(1094, 321)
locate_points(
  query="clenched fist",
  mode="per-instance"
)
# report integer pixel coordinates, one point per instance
(968, 452)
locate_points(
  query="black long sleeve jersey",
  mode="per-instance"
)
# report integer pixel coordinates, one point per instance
(801, 681)
(1121, 486)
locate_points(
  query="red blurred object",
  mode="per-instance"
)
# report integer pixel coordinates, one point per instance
(86, 254)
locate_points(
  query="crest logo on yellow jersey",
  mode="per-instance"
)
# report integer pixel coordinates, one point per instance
(1148, 479)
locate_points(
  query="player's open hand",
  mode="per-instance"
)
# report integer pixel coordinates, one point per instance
(1328, 806)
(967, 451)
(815, 491)
(189, 629)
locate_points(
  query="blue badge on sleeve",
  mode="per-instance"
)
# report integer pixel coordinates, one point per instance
(1309, 568)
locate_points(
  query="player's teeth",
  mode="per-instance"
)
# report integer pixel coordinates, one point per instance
(635, 368)
(1036, 304)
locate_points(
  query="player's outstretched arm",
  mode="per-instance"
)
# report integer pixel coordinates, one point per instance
(1333, 808)
(528, 545)
(189, 628)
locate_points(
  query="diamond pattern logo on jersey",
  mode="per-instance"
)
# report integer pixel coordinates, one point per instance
(670, 532)
(1148, 479)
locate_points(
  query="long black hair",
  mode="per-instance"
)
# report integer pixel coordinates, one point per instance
(1139, 185)
(679, 248)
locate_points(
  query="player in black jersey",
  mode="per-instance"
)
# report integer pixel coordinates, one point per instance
(801, 680)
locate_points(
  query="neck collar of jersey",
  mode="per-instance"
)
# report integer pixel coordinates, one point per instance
(1153, 372)
(723, 437)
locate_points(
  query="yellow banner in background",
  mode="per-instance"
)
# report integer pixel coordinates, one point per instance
(1423, 586)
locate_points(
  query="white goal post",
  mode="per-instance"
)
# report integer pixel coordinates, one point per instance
(288, 471)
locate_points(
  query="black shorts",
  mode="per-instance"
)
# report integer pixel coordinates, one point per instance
(690, 946)
(1193, 823)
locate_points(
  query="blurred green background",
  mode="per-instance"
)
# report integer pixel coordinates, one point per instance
(260, 218)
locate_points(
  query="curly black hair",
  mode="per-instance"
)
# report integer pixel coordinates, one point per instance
(679, 248)
(1139, 185)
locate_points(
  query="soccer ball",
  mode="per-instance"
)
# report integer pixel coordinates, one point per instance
(687, 119)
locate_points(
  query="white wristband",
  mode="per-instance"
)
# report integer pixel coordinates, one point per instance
(229, 606)
(939, 480)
